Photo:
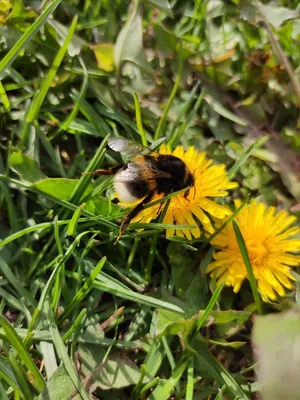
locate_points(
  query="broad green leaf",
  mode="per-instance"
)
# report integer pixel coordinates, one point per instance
(7, 372)
(59, 386)
(129, 43)
(116, 372)
(166, 40)
(162, 5)
(5, 7)
(277, 15)
(163, 319)
(19, 11)
(104, 53)
(27, 168)
(196, 295)
(222, 110)
(256, 12)
(61, 188)
(75, 46)
(276, 340)
(223, 317)
(179, 328)
(184, 264)
(101, 206)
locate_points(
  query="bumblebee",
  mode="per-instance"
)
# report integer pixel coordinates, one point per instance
(148, 173)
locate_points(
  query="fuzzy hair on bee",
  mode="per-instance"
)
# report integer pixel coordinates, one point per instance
(146, 174)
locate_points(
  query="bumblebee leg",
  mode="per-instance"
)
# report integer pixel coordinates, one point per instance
(133, 213)
(110, 171)
(186, 193)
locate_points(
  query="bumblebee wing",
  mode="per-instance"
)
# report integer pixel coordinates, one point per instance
(133, 172)
(127, 147)
(136, 172)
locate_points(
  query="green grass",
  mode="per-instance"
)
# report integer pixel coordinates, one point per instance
(140, 319)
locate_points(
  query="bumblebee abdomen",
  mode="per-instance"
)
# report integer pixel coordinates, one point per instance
(124, 194)
(130, 184)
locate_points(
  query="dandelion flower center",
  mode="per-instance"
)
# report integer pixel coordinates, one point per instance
(257, 251)
(270, 243)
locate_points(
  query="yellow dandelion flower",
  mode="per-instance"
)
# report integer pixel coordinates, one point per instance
(209, 181)
(270, 243)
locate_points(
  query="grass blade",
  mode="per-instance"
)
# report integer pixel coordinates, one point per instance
(49, 358)
(164, 389)
(3, 394)
(137, 297)
(76, 325)
(74, 220)
(162, 121)
(63, 354)
(4, 98)
(13, 338)
(238, 163)
(190, 380)
(174, 139)
(19, 374)
(26, 231)
(7, 373)
(16, 283)
(232, 216)
(85, 178)
(139, 120)
(30, 32)
(45, 86)
(185, 106)
(83, 291)
(217, 371)
(51, 280)
(246, 259)
(66, 123)
(210, 306)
